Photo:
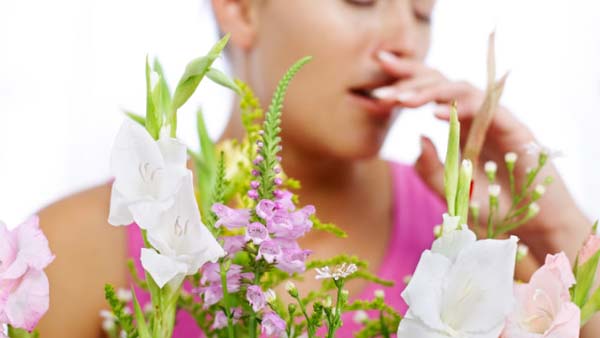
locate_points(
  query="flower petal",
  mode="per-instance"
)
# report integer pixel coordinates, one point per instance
(479, 291)
(424, 292)
(451, 243)
(410, 327)
(119, 213)
(163, 269)
(29, 302)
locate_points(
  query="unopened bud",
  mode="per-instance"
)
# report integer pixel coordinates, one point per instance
(490, 169)
(379, 293)
(270, 296)
(437, 231)
(494, 190)
(538, 192)
(290, 287)
(360, 317)
(522, 251)
(533, 210)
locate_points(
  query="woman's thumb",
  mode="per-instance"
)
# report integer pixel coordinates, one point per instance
(429, 167)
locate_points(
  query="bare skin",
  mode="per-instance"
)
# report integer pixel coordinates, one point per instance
(331, 140)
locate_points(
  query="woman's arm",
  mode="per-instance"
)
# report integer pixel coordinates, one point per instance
(89, 253)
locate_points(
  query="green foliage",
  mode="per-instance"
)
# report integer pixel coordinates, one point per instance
(337, 260)
(123, 319)
(328, 227)
(271, 128)
(20, 333)
(451, 170)
(153, 117)
(194, 72)
(218, 77)
(585, 275)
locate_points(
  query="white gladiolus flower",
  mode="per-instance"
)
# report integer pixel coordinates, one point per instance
(461, 288)
(183, 243)
(148, 174)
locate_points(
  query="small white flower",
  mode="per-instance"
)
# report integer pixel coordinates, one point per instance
(490, 167)
(360, 317)
(379, 293)
(340, 271)
(510, 157)
(540, 189)
(475, 205)
(533, 209)
(534, 148)
(327, 302)
(494, 190)
(290, 286)
(270, 296)
(522, 251)
(124, 295)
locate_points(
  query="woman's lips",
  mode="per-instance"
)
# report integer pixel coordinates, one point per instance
(374, 106)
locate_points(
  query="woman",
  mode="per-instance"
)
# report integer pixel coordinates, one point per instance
(368, 60)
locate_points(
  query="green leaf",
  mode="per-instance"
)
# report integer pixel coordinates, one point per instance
(585, 275)
(194, 72)
(452, 160)
(137, 118)
(20, 333)
(591, 307)
(206, 164)
(153, 118)
(220, 78)
(142, 327)
(161, 95)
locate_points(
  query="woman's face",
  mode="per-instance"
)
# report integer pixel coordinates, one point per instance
(327, 110)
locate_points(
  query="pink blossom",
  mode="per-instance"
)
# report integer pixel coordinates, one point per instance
(269, 250)
(544, 308)
(220, 320)
(285, 201)
(292, 258)
(265, 209)
(256, 297)
(257, 233)
(273, 325)
(233, 244)
(211, 278)
(24, 295)
(230, 218)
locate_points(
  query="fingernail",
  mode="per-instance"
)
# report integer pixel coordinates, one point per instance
(385, 93)
(405, 96)
(386, 56)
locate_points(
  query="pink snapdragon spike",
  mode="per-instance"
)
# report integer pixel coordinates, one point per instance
(272, 325)
(544, 307)
(220, 320)
(229, 217)
(211, 279)
(24, 290)
(257, 233)
(256, 297)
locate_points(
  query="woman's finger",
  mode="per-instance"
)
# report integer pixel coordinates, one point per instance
(399, 67)
(429, 167)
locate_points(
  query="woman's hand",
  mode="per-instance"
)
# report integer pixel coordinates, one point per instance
(559, 226)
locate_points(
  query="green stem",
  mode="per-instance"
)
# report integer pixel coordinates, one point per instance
(309, 327)
(230, 332)
(335, 322)
(490, 220)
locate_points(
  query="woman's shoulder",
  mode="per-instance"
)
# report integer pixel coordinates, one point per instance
(89, 253)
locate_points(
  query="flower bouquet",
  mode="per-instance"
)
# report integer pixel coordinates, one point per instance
(221, 244)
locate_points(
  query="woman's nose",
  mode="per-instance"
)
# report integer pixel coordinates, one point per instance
(399, 29)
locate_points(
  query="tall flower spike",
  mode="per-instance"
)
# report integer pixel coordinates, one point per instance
(451, 166)
(270, 136)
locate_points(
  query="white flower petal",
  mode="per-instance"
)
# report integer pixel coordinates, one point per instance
(424, 292)
(148, 213)
(450, 223)
(163, 269)
(478, 293)
(412, 328)
(119, 213)
(451, 243)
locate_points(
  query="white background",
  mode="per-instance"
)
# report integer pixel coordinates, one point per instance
(69, 67)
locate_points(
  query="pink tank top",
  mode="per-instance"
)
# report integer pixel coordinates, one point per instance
(416, 211)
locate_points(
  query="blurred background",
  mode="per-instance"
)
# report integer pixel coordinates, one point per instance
(68, 68)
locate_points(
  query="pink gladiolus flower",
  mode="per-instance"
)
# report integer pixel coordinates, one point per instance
(256, 297)
(591, 246)
(544, 308)
(230, 218)
(24, 294)
(273, 325)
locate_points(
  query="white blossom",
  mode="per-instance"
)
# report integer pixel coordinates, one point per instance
(340, 271)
